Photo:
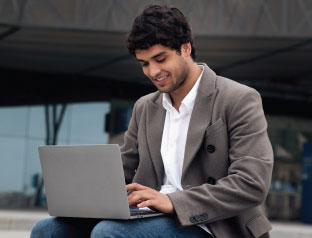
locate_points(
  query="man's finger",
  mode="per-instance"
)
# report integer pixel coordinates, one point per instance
(147, 203)
(135, 187)
(142, 195)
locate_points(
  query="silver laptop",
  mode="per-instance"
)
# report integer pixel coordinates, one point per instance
(87, 181)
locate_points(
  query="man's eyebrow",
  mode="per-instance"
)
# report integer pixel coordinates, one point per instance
(159, 54)
(153, 57)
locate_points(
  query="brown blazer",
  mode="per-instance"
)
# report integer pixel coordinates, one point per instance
(228, 157)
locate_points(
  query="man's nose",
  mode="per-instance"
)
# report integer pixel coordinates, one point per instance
(154, 70)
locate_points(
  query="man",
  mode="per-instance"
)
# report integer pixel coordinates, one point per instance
(196, 149)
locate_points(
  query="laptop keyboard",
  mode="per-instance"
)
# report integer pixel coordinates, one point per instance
(138, 211)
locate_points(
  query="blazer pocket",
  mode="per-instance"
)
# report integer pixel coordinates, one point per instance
(259, 225)
(214, 127)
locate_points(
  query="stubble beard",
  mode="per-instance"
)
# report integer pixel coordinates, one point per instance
(181, 78)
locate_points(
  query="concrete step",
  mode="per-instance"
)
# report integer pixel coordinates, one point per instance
(291, 230)
(20, 219)
(18, 224)
(14, 234)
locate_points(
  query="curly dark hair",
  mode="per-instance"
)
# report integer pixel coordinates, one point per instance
(160, 24)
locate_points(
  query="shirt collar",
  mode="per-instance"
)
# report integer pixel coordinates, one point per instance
(167, 104)
(189, 100)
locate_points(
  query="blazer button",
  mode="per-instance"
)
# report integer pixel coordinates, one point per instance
(192, 219)
(187, 186)
(211, 180)
(211, 148)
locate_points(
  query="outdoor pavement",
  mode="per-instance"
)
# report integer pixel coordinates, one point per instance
(18, 224)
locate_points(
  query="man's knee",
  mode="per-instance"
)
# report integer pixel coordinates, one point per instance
(109, 229)
(60, 227)
(42, 227)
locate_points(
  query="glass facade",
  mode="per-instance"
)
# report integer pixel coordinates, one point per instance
(23, 129)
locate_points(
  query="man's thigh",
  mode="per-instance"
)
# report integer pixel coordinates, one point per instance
(163, 226)
(64, 227)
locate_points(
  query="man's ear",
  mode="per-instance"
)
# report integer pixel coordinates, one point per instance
(186, 49)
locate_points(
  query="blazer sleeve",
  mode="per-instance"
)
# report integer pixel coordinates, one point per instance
(129, 150)
(249, 172)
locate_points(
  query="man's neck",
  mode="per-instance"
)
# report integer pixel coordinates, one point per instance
(179, 94)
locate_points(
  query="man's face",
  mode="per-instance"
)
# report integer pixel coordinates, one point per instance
(164, 67)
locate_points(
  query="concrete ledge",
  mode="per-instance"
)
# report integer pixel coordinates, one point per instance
(291, 230)
(20, 222)
(14, 234)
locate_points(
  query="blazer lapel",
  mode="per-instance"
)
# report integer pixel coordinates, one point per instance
(154, 130)
(201, 115)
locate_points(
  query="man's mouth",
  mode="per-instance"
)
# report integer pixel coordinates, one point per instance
(162, 78)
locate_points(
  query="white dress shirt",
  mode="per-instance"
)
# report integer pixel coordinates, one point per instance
(174, 139)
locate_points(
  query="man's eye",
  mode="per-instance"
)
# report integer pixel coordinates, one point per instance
(144, 64)
(161, 60)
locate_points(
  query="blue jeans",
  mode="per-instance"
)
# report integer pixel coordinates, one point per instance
(163, 226)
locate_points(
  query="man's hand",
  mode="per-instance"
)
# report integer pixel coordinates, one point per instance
(142, 196)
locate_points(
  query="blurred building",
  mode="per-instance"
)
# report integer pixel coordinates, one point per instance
(72, 54)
